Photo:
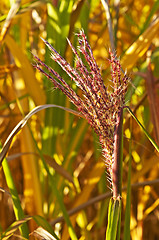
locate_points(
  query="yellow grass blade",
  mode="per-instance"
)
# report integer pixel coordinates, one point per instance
(12, 12)
(23, 63)
(140, 46)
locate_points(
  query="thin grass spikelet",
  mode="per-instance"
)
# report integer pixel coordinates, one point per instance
(98, 105)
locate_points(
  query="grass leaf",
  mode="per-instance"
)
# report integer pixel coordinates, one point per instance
(144, 130)
(22, 123)
(113, 217)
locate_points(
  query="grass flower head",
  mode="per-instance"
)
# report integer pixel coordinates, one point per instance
(99, 105)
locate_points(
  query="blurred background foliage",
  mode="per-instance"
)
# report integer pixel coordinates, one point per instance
(68, 145)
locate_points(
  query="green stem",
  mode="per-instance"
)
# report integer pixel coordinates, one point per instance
(113, 227)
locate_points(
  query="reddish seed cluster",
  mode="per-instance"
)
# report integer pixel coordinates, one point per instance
(99, 106)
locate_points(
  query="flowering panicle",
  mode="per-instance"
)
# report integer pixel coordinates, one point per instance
(99, 106)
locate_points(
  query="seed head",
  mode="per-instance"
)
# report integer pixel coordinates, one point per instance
(98, 105)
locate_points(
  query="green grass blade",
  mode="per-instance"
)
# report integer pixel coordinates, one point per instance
(56, 192)
(57, 31)
(15, 198)
(144, 130)
(154, 8)
(113, 216)
(13, 228)
(119, 225)
(4, 106)
(128, 199)
(43, 223)
(77, 135)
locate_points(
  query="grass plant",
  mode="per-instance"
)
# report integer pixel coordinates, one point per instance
(85, 168)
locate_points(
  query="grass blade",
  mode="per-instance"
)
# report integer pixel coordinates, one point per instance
(22, 123)
(128, 199)
(27, 71)
(42, 222)
(12, 12)
(140, 46)
(15, 198)
(57, 28)
(13, 228)
(41, 233)
(56, 192)
(113, 216)
(146, 133)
